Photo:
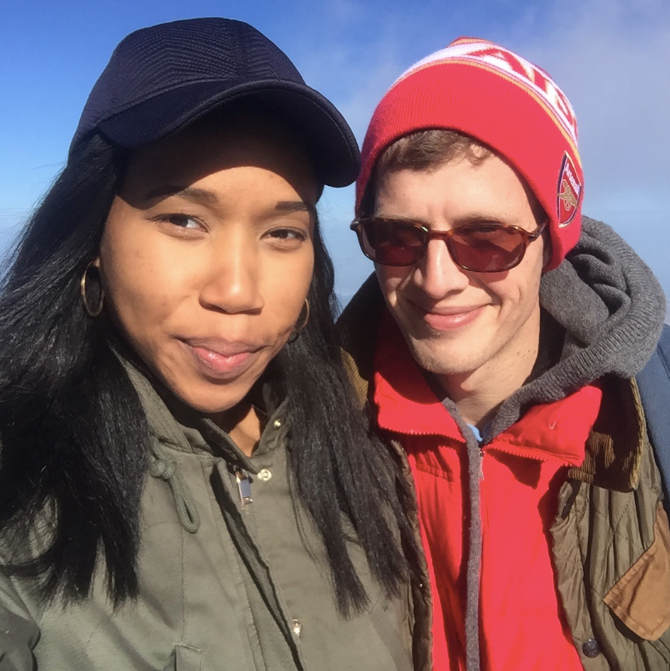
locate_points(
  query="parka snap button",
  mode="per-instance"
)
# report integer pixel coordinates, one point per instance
(264, 475)
(277, 424)
(591, 648)
(296, 627)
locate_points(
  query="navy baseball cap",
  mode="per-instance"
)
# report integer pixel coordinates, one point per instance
(162, 78)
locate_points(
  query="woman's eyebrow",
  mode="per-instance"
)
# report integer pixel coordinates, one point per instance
(191, 193)
(295, 206)
(206, 197)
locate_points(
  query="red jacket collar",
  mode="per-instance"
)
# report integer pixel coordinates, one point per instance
(406, 404)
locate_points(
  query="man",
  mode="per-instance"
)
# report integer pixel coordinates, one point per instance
(500, 354)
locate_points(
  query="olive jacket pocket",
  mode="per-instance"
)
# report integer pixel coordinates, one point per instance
(641, 598)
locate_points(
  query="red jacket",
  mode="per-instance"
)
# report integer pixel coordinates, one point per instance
(522, 625)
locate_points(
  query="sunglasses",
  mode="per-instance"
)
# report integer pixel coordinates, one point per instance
(481, 248)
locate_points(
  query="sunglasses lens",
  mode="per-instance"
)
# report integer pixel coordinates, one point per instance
(487, 248)
(391, 243)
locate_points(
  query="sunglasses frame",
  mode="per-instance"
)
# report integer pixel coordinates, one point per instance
(427, 235)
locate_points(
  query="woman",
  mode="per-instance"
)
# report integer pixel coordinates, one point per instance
(185, 481)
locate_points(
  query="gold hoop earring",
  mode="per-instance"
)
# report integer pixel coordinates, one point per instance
(297, 330)
(84, 298)
(306, 319)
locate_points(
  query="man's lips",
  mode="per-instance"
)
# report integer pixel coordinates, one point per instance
(450, 317)
(223, 359)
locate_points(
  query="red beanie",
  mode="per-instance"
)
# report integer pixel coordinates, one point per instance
(499, 98)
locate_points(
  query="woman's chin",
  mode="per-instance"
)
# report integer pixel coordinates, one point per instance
(196, 388)
(213, 402)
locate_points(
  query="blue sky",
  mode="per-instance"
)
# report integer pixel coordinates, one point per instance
(609, 56)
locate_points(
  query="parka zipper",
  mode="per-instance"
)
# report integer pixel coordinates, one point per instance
(243, 487)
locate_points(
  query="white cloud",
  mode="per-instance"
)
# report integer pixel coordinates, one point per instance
(343, 11)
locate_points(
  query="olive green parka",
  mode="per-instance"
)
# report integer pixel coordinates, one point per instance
(225, 583)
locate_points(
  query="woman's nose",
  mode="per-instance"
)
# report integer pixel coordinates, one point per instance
(231, 279)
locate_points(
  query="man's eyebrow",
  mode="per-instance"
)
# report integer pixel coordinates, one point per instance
(483, 217)
(470, 218)
(394, 217)
(191, 193)
(295, 206)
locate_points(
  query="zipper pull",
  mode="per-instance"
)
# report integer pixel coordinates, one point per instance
(243, 486)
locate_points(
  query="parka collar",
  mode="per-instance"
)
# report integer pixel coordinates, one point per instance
(193, 434)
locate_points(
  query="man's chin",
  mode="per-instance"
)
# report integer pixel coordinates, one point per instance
(443, 360)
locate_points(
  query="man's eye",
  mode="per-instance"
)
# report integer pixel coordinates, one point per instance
(492, 234)
(487, 236)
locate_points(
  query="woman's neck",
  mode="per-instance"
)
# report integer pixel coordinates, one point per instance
(243, 424)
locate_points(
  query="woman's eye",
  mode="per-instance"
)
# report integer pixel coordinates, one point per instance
(181, 220)
(287, 237)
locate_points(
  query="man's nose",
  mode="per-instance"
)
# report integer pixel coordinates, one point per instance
(436, 273)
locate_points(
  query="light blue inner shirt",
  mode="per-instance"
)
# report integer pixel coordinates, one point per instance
(478, 435)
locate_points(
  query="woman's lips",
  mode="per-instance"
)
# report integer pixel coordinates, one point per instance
(221, 359)
(452, 318)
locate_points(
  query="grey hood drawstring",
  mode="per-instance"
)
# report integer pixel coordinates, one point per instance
(474, 531)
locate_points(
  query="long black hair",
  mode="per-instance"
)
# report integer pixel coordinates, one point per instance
(74, 438)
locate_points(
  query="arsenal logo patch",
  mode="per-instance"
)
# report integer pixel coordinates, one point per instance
(569, 192)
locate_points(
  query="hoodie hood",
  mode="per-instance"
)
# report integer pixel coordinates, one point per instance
(612, 309)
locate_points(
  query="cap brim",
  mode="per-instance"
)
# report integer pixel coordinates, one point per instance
(329, 141)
